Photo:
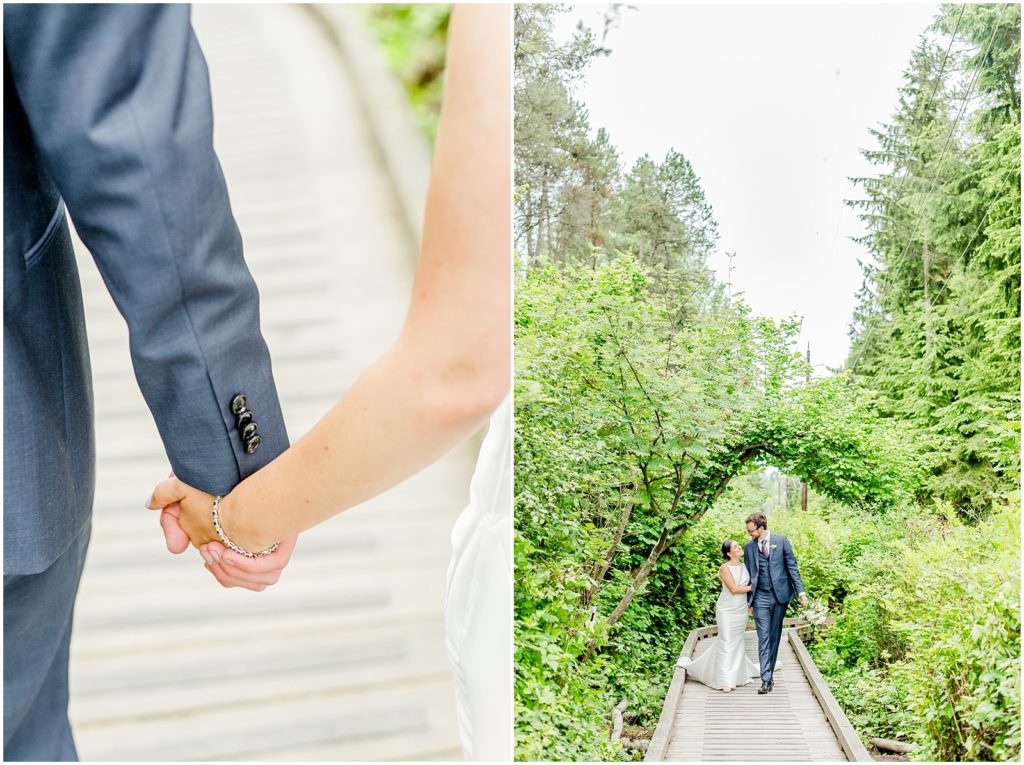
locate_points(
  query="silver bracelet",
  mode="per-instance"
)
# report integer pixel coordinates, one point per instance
(228, 543)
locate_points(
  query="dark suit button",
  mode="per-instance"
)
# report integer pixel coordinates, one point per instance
(243, 419)
(253, 444)
(249, 431)
(238, 404)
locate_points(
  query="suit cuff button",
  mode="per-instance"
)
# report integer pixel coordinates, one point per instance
(238, 404)
(253, 444)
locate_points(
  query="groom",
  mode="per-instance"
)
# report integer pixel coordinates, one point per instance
(774, 578)
(107, 111)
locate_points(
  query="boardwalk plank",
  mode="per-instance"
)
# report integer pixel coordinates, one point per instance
(787, 725)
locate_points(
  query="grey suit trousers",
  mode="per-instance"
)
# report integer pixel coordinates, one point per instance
(36, 643)
(768, 616)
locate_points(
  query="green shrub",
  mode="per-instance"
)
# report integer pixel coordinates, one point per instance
(414, 39)
(926, 647)
(961, 598)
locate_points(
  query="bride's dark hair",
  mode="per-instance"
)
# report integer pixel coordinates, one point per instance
(727, 546)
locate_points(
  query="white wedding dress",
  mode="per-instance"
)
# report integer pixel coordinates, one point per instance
(478, 603)
(724, 664)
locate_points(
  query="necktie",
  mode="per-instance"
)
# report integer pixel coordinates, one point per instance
(764, 547)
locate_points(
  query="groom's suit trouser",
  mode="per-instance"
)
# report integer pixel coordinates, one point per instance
(107, 111)
(768, 616)
(36, 642)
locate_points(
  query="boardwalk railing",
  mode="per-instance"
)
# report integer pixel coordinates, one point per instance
(837, 720)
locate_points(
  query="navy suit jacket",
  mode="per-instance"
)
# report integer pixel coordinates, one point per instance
(782, 568)
(107, 111)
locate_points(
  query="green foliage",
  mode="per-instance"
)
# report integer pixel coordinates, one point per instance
(937, 331)
(574, 203)
(648, 407)
(927, 644)
(414, 38)
(927, 647)
(631, 424)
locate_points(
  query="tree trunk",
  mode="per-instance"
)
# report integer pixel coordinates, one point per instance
(665, 542)
(640, 578)
(601, 567)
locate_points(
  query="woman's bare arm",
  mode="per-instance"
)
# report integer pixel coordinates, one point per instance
(725, 574)
(450, 366)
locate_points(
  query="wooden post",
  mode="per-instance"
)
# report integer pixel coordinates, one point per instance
(730, 256)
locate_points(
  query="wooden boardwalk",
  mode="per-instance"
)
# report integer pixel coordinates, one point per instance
(344, 658)
(799, 721)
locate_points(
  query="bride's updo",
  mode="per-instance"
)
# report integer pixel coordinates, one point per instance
(727, 546)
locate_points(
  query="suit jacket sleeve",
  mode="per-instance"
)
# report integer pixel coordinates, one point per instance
(792, 569)
(118, 101)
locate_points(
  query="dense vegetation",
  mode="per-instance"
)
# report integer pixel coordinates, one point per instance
(934, 655)
(414, 39)
(937, 332)
(648, 405)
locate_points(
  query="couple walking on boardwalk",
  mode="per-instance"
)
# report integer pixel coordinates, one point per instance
(762, 585)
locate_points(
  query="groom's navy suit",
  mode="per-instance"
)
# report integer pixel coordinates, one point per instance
(774, 581)
(107, 111)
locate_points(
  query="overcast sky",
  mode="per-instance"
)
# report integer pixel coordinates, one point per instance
(770, 103)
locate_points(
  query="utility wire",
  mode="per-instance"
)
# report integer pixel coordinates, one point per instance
(958, 260)
(931, 190)
(903, 179)
(952, 129)
(975, 236)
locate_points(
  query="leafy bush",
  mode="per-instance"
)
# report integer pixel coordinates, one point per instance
(633, 430)
(960, 596)
(927, 645)
(414, 38)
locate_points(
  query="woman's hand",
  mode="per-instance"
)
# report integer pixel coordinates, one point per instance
(234, 570)
(186, 517)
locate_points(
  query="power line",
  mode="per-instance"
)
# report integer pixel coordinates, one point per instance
(975, 236)
(903, 179)
(936, 82)
(952, 129)
(956, 262)
(931, 190)
(917, 113)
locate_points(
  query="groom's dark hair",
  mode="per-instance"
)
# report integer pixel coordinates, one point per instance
(758, 519)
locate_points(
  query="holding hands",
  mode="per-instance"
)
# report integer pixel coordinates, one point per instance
(186, 517)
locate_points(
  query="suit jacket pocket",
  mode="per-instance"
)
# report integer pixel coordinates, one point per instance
(36, 251)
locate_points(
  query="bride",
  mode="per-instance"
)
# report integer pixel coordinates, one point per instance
(444, 376)
(724, 665)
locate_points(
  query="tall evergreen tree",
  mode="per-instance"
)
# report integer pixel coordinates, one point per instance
(937, 330)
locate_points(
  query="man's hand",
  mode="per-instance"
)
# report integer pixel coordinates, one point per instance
(750, 611)
(803, 601)
(187, 508)
(186, 517)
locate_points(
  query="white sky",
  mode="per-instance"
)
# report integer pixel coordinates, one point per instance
(770, 103)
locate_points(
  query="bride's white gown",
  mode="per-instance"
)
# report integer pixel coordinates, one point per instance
(725, 664)
(478, 604)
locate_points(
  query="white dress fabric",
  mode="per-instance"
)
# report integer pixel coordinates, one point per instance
(478, 603)
(724, 664)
